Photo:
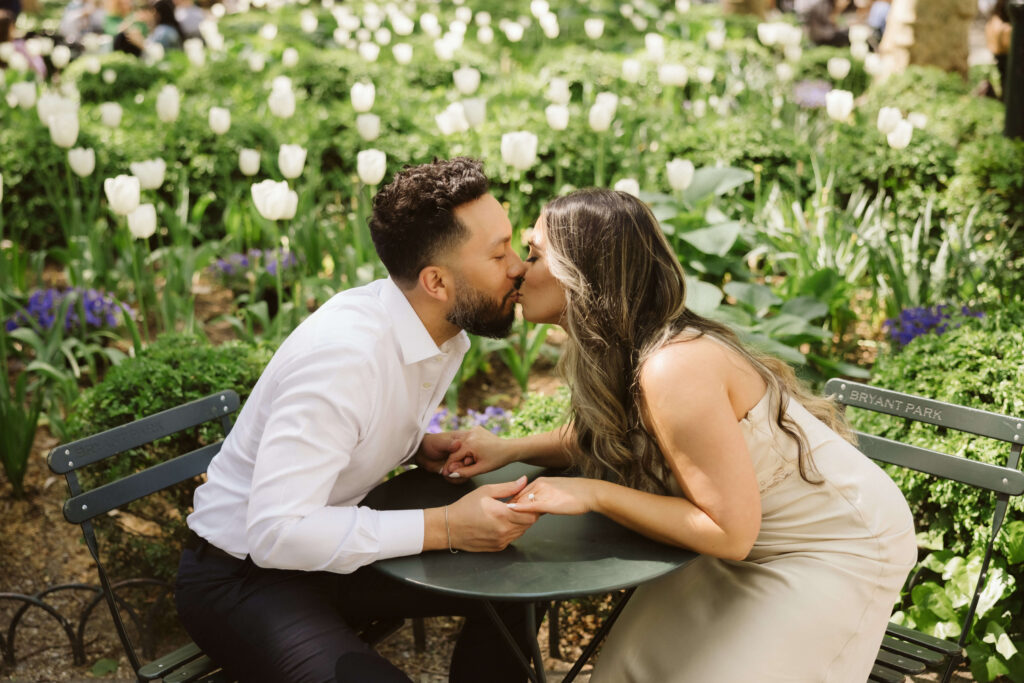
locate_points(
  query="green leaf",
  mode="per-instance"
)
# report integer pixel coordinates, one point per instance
(701, 297)
(1013, 541)
(785, 325)
(714, 239)
(806, 307)
(103, 667)
(715, 181)
(754, 296)
(932, 597)
(998, 584)
(776, 348)
(995, 667)
(995, 635)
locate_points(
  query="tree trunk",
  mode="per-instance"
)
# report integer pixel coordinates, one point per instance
(931, 32)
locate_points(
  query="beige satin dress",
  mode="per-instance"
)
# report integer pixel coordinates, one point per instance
(810, 602)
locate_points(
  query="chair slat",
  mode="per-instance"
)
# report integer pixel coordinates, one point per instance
(931, 642)
(103, 499)
(930, 657)
(193, 671)
(71, 456)
(981, 474)
(900, 663)
(962, 418)
(884, 674)
(159, 668)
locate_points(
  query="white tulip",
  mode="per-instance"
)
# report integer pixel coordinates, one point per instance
(485, 35)
(50, 104)
(716, 39)
(39, 46)
(109, 76)
(195, 50)
(873, 64)
(60, 56)
(168, 104)
(282, 102)
(784, 71)
(150, 173)
(362, 95)
(274, 200)
(256, 62)
(444, 49)
(268, 31)
(430, 24)
(368, 126)
(917, 119)
(482, 18)
(601, 117)
(790, 35)
(402, 24)
(82, 161)
(673, 74)
(122, 194)
(682, 6)
(594, 27)
(153, 53)
(793, 52)
(458, 28)
(519, 149)
(558, 116)
(859, 51)
(110, 114)
(467, 80)
(64, 129)
(539, 7)
(142, 222)
(371, 165)
(382, 37)
(632, 70)
(549, 25)
(475, 109)
(839, 104)
(655, 44)
(249, 161)
(899, 137)
(607, 99)
(513, 32)
(291, 159)
(680, 174)
(402, 52)
(629, 186)
(290, 57)
(308, 21)
(25, 93)
(888, 118)
(838, 67)
(91, 63)
(860, 33)
(705, 74)
(452, 119)
(700, 108)
(220, 120)
(369, 51)
(340, 36)
(464, 14)
(558, 91)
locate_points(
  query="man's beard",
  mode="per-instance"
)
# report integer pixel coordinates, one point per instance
(480, 314)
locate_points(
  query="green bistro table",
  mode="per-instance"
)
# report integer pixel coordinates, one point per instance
(559, 557)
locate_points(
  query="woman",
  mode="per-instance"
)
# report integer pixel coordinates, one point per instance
(687, 437)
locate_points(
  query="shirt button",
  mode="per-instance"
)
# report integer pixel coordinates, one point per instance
(427, 385)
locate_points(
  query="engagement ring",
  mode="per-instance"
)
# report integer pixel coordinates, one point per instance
(531, 496)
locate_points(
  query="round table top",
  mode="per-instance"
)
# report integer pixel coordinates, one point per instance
(559, 557)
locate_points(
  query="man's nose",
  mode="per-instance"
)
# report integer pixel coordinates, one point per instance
(516, 267)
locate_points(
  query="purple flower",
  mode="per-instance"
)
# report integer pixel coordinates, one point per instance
(914, 322)
(810, 94)
(100, 309)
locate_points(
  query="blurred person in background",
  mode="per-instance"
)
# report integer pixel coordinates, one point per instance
(189, 16)
(166, 31)
(80, 17)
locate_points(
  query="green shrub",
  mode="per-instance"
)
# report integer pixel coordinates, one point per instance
(146, 537)
(978, 364)
(540, 413)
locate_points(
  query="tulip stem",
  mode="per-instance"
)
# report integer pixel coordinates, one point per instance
(72, 228)
(140, 295)
(599, 168)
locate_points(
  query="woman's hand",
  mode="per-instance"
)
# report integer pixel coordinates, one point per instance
(557, 496)
(435, 449)
(478, 451)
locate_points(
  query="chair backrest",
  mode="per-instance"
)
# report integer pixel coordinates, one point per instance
(83, 506)
(1003, 481)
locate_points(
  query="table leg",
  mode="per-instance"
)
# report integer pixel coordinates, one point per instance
(588, 652)
(537, 676)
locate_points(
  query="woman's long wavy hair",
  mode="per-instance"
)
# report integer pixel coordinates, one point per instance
(625, 299)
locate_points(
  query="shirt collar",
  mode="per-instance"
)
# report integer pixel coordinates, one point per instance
(413, 338)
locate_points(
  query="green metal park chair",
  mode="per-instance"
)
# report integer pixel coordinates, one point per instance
(907, 651)
(187, 663)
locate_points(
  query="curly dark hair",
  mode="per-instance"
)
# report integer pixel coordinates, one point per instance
(414, 220)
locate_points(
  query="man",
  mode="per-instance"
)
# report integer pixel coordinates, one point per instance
(278, 573)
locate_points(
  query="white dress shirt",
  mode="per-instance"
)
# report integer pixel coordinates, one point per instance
(346, 399)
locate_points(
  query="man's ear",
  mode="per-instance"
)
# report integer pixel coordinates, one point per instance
(436, 282)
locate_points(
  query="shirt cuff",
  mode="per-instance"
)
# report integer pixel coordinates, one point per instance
(400, 533)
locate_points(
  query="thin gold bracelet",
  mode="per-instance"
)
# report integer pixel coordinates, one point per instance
(448, 530)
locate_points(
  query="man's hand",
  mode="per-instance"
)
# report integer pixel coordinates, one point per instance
(435, 450)
(481, 522)
(478, 451)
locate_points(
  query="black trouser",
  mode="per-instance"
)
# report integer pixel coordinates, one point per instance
(281, 626)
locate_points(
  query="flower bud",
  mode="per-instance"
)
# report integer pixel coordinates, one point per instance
(249, 161)
(220, 120)
(557, 116)
(362, 95)
(122, 194)
(519, 149)
(371, 164)
(680, 174)
(168, 104)
(142, 222)
(274, 200)
(110, 114)
(291, 159)
(150, 173)
(368, 126)
(629, 186)
(82, 161)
